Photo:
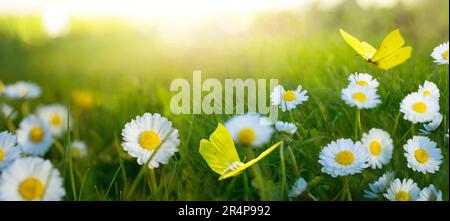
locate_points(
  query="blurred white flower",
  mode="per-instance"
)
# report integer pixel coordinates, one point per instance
(246, 130)
(430, 193)
(298, 188)
(79, 149)
(378, 187)
(7, 112)
(285, 127)
(22, 90)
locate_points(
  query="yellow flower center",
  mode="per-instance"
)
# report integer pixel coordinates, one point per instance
(2, 87)
(23, 91)
(149, 140)
(31, 189)
(360, 97)
(55, 120)
(289, 96)
(362, 83)
(420, 107)
(246, 136)
(421, 156)
(2, 154)
(375, 148)
(345, 157)
(36, 135)
(426, 93)
(402, 196)
(446, 54)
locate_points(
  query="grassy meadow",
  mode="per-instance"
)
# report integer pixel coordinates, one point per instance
(129, 67)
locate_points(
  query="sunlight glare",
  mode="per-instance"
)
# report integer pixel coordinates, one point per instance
(55, 20)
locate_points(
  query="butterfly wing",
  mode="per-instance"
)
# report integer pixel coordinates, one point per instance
(369, 50)
(362, 48)
(250, 163)
(390, 44)
(219, 151)
(398, 57)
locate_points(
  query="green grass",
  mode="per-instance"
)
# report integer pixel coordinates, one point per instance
(130, 71)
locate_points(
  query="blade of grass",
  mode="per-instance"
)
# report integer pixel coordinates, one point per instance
(112, 181)
(69, 153)
(82, 183)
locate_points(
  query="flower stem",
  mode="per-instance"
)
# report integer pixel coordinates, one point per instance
(25, 108)
(346, 189)
(59, 147)
(141, 172)
(153, 182)
(139, 176)
(294, 161)
(312, 196)
(257, 173)
(136, 181)
(246, 187)
(397, 119)
(283, 171)
(9, 123)
(358, 127)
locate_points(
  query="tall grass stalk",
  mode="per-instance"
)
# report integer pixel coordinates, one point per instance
(284, 187)
(256, 170)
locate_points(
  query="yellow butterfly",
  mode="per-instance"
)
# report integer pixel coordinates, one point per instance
(221, 155)
(390, 53)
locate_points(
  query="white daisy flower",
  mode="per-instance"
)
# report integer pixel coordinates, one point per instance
(405, 190)
(360, 97)
(79, 149)
(433, 125)
(429, 89)
(7, 112)
(422, 154)
(55, 116)
(298, 188)
(430, 193)
(22, 90)
(343, 157)
(31, 179)
(378, 187)
(440, 54)
(8, 149)
(379, 145)
(150, 137)
(285, 128)
(288, 99)
(34, 136)
(363, 79)
(419, 109)
(246, 130)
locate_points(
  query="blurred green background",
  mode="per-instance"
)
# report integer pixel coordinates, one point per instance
(129, 64)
